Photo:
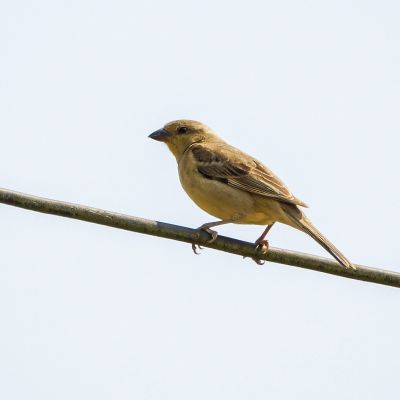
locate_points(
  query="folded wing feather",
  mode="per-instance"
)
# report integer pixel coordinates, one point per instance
(233, 167)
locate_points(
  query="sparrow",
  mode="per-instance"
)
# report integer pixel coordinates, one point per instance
(234, 186)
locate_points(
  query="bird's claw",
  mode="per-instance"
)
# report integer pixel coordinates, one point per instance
(195, 248)
(258, 261)
(213, 234)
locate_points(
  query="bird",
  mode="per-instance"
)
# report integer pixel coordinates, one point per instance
(233, 186)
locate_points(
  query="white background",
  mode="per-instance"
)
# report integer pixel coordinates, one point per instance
(311, 88)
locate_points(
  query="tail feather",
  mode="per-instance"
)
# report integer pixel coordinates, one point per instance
(326, 244)
(304, 224)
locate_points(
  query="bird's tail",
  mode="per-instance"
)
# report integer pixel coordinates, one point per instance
(305, 225)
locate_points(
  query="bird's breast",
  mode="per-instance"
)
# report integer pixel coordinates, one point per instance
(214, 197)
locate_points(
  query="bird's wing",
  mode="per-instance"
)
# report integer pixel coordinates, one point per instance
(237, 169)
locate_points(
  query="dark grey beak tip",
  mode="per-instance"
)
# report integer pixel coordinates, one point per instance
(161, 135)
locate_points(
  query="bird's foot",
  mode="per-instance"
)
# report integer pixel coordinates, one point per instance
(263, 247)
(213, 234)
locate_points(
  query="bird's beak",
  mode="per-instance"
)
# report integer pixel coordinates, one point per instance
(161, 135)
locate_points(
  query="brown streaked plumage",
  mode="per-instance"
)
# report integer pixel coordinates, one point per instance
(233, 186)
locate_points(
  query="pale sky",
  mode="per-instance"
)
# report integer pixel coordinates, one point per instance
(310, 88)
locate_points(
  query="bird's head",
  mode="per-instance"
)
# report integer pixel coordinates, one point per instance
(179, 135)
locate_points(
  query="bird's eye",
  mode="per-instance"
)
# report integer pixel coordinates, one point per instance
(182, 129)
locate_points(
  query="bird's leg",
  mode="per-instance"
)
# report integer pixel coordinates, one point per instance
(206, 227)
(263, 244)
(261, 241)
